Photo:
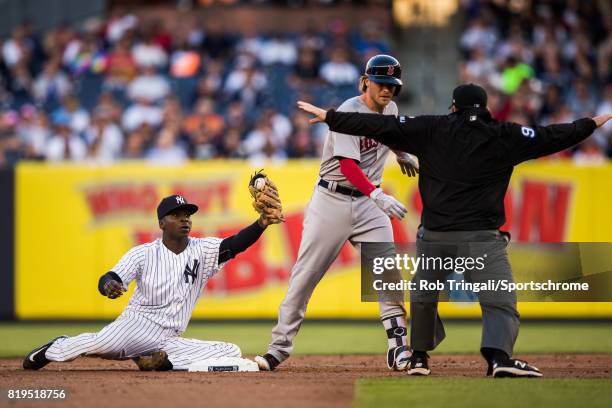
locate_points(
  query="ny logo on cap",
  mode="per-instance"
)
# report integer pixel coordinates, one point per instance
(390, 70)
(180, 200)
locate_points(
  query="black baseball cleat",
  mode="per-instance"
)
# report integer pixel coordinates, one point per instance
(267, 362)
(36, 359)
(398, 358)
(512, 368)
(418, 364)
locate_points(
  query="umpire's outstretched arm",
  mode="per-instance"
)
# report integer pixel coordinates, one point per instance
(408, 134)
(412, 134)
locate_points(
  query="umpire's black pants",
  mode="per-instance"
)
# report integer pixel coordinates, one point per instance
(499, 314)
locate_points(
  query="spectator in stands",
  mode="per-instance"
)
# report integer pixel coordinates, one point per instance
(301, 143)
(10, 146)
(478, 68)
(246, 84)
(263, 142)
(557, 59)
(230, 144)
(20, 85)
(33, 131)
(217, 42)
(236, 116)
(148, 52)
(118, 24)
(369, 42)
(205, 126)
(307, 65)
(581, 100)
(210, 84)
(107, 102)
(167, 150)
(141, 112)
(104, 137)
(339, 70)
(137, 142)
(120, 67)
(479, 35)
(64, 144)
(84, 56)
(17, 48)
(148, 85)
(603, 135)
(278, 49)
(78, 117)
(530, 59)
(52, 85)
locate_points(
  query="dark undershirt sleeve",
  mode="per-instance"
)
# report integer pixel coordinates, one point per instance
(232, 246)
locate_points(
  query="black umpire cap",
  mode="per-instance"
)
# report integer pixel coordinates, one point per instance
(469, 96)
(173, 202)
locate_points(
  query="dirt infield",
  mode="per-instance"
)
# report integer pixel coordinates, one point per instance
(304, 381)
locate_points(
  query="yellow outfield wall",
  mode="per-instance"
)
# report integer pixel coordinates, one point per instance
(74, 222)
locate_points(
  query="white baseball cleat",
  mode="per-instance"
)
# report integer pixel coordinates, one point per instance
(398, 358)
(267, 362)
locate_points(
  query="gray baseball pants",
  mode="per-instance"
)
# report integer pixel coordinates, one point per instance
(330, 220)
(500, 318)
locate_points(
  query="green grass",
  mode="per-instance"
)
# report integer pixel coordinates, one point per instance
(16, 339)
(482, 392)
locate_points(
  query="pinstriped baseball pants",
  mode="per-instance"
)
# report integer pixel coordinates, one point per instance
(133, 335)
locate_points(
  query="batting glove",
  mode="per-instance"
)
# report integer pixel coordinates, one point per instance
(388, 204)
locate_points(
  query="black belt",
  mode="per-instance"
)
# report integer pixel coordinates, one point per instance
(343, 190)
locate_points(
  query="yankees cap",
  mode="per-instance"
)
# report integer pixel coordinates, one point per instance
(173, 202)
(468, 96)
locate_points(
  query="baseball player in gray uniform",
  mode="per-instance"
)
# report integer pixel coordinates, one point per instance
(170, 274)
(348, 204)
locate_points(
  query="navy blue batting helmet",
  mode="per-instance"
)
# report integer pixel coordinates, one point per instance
(384, 69)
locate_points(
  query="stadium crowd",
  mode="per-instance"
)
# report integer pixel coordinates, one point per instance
(129, 89)
(126, 89)
(543, 62)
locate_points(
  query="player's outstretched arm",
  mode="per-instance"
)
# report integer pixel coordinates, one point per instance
(240, 242)
(266, 202)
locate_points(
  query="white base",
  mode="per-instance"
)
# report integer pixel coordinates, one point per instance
(224, 364)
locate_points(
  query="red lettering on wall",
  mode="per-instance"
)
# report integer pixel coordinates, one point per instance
(293, 226)
(508, 209)
(121, 198)
(247, 270)
(544, 205)
(206, 195)
(416, 202)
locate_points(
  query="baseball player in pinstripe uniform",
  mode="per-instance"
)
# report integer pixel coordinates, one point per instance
(170, 274)
(348, 205)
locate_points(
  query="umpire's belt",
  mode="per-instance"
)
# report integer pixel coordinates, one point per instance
(334, 187)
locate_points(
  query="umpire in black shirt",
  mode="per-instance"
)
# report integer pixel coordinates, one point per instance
(466, 159)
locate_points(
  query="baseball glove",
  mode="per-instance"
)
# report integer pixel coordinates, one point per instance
(266, 200)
